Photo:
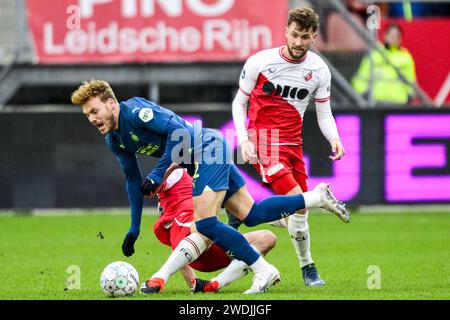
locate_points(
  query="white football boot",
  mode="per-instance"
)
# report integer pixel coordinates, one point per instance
(263, 280)
(330, 203)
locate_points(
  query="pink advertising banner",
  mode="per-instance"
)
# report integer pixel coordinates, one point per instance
(417, 142)
(120, 31)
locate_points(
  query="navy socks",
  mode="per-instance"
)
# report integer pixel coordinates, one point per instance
(228, 238)
(274, 208)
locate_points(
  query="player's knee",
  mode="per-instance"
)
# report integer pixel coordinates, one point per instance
(267, 241)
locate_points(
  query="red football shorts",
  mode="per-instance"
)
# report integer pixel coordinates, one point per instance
(283, 170)
(213, 259)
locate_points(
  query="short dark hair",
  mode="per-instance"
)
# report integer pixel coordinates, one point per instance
(305, 18)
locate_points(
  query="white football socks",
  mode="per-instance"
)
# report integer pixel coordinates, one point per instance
(299, 231)
(312, 199)
(187, 251)
(260, 265)
(235, 270)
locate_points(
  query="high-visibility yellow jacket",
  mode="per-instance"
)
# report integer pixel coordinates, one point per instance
(387, 85)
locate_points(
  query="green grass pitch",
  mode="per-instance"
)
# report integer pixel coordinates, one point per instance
(411, 250)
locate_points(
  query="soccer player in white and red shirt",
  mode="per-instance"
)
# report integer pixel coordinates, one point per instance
(278, 84)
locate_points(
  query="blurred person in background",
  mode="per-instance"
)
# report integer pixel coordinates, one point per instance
(387, 86)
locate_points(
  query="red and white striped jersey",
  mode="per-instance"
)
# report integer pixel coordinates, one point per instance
(280, 90)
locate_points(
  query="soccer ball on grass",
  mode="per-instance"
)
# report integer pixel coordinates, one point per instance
(119, 279)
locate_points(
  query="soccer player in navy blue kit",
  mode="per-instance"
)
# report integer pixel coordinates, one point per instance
(139, 126)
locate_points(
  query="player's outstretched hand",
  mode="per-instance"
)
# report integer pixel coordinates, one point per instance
(337, 150)
(128, 244)
(248, 151)
(149, 187)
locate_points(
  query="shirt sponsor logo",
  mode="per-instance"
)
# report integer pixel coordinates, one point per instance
(146, 114)
(271, 89)
(147, 150)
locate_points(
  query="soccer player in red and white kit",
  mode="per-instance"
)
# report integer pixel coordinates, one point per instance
(278, 84)
(176, 228)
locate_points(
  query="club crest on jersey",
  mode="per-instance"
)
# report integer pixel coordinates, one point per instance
(307, 75)
(146, 114)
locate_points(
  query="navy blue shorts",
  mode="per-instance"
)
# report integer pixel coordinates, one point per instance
(216, 170)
